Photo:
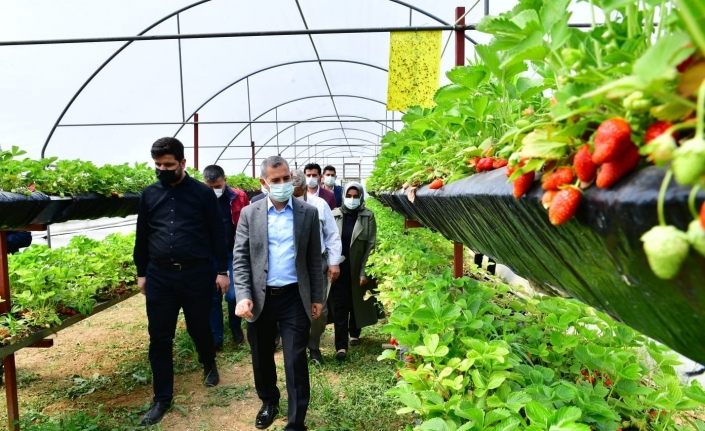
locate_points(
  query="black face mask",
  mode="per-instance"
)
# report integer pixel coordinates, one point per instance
(167, 177)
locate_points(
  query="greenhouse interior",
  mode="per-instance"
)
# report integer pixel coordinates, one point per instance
(414, 215)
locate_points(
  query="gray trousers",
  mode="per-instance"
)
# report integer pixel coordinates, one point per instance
(318, 326)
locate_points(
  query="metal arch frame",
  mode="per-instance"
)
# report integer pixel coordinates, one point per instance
(164, 19)
(314, 118)
(358, 147)
(279, 106)
(270, 67)
(105, 63)
(329, 130)
(311, 134)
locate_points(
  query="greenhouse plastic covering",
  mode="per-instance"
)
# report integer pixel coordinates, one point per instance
(597, 258)
(142, 84)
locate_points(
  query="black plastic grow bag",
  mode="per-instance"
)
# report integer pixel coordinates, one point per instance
(19, 210)
(93, 206)
(596, 257)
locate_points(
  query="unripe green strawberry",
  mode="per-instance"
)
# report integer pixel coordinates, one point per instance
(666, 248)
(696, 236)
(689, 161)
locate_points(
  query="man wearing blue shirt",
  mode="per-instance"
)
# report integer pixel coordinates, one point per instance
(277, 268)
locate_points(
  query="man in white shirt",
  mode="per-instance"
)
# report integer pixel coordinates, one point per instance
(331, 247)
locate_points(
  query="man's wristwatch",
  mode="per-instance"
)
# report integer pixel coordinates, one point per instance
(225, 273)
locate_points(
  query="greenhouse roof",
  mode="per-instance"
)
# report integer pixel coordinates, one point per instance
(309, 97)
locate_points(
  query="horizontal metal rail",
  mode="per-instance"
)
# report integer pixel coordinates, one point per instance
(201, 123)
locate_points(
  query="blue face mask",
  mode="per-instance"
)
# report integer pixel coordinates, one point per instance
(281, 192)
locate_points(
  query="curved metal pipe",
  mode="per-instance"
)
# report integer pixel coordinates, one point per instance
(165, 18)
(285, 103)
(274, 66)
(105, 63)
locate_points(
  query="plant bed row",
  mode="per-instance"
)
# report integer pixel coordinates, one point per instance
(473, 356)
(596, 257)
(49, 286)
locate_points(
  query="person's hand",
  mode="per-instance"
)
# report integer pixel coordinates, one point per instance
(316, 310)
(333, 272)
(363, 281)
(142, 284)
(244, 309)
(223, 283)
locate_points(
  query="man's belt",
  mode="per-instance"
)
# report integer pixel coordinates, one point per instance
(280, 290)
(181, 264)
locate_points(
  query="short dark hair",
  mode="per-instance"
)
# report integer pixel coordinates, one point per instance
(330, 168)
(272, 162)
(213, 172)
(168, 145)
(315, 166)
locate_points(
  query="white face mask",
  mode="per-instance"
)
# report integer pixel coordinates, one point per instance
(352, 203)
(312, 182)
(281, 192)
(218, 192)
(329, 180)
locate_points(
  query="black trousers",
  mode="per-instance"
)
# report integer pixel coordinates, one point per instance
(287, 312)
(167, 292)
(341, 302)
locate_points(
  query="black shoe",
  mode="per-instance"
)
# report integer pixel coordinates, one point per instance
(316, 357)
(155, 413)
(238, 338)
(210, 376)
(340, 355)
(354, 341)
(266, 415)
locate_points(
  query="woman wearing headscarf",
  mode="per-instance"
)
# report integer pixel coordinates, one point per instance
(358, 232)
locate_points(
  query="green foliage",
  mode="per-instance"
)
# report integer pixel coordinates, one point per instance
(50, 284)
(539, 89)
(72, 177)
(474, 356)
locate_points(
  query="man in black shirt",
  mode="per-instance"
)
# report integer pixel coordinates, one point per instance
(179, 237)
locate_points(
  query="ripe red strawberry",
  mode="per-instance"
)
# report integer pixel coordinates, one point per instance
(655, 130)
(547, 198)
(612, 172)
(485, 164)
(702, 215)
(436, 184)
(583, 164)
(564, 205)
(523, 184)
(499, 163)
(561, 176)
(685, 64)
(612, 138)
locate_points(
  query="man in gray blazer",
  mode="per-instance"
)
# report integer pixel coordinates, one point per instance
(277, 267)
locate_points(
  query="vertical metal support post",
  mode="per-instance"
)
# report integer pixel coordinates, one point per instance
(460, 36)
(195, 140)
(457, 259)
(254, 173)
(13, 409)
(459, 61)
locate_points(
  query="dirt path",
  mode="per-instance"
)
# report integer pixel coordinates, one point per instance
(108, 354)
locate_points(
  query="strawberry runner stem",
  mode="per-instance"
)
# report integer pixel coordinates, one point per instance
(661, 197)
(691, 201)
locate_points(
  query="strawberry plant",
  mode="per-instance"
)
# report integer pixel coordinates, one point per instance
(51, 284)
(545, 96)
(474, 356)
(72, 177)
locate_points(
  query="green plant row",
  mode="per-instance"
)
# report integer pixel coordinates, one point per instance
(575, 107)
(71, 177)
(474, 356)
(49, 285)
